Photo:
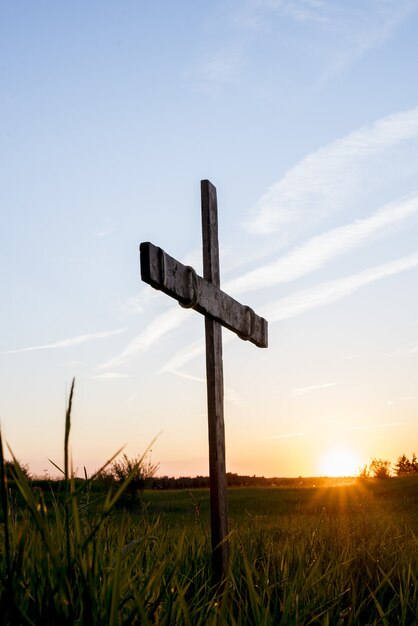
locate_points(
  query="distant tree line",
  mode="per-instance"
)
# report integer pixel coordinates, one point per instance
(405, 466)
(382, 468)
(140, 471)
(238, 480)
(198, 482)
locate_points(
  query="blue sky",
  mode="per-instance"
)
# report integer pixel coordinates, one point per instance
(304, 115)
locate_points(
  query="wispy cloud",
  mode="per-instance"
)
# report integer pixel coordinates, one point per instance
(161, 326)
(69, 343)
(110, 376)
(321, 249)
(359, 32)
(296, 194)
(301, 391)
(285, 308)
(138, 304)
(412, 350)
(231, 395)
(400, 352)
(304, 10)
(317, 185)
(187, 354)
(187, 376)
(331, 291)
(372, 426)
(183, 356)
(351, 28)
(216, 70)
(257, 14)
(219, 69)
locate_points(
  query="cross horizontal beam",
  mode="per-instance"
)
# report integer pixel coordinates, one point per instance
(181, 282)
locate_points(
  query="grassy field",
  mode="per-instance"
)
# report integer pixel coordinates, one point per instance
(337, 555)
(73, 553)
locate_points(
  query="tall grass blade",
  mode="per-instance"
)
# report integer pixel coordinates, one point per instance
(67, 431)
(5, 507)
(66, 474)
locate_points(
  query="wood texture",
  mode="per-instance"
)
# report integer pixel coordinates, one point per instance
(163, 272)
(215, 390)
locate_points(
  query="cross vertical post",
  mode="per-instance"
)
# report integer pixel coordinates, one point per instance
(203, 294)
(215, 389)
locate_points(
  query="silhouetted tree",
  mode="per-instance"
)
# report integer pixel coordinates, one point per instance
(139, 470)
(380, 468)
(10, 470)
(403, 466)
(364, 472)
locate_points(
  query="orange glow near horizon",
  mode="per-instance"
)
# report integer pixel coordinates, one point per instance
(339, 462)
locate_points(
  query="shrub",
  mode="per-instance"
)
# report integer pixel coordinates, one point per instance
(137, 470)
(380, 468)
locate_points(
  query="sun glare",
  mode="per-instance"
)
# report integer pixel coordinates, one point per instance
(339, 462)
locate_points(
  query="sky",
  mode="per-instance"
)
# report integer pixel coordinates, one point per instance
(304, 115)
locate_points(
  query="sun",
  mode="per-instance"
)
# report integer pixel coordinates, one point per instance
(339, 462)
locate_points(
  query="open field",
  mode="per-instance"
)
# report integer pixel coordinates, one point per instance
(337, 555)
(272, 506)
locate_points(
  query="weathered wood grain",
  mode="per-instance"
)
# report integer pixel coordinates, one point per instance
(162, 271)
(215, 390)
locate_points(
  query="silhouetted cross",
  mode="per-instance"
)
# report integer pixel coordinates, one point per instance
(181, 282)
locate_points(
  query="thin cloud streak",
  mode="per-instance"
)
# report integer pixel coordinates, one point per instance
(302, 301)
(182, 357)
(301, 391)
(187, 376)
(323, 248)
(368, 35)
(110, 376)
(317, 185)
(137, 304)
(69, 343)
(372, 426)
(231, 395)
(325, 169)
(348, 32)
(212, 73)
(161, 326)
(328, 292)
(336, 18)
(413, 350)
(187, 354)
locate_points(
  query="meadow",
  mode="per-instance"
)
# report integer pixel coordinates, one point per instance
(73, 552)
(337, 555)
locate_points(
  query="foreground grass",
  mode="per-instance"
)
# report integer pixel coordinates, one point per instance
(338, 556)
(343, 555)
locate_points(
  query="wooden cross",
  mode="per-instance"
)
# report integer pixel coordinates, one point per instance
(181, 282)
